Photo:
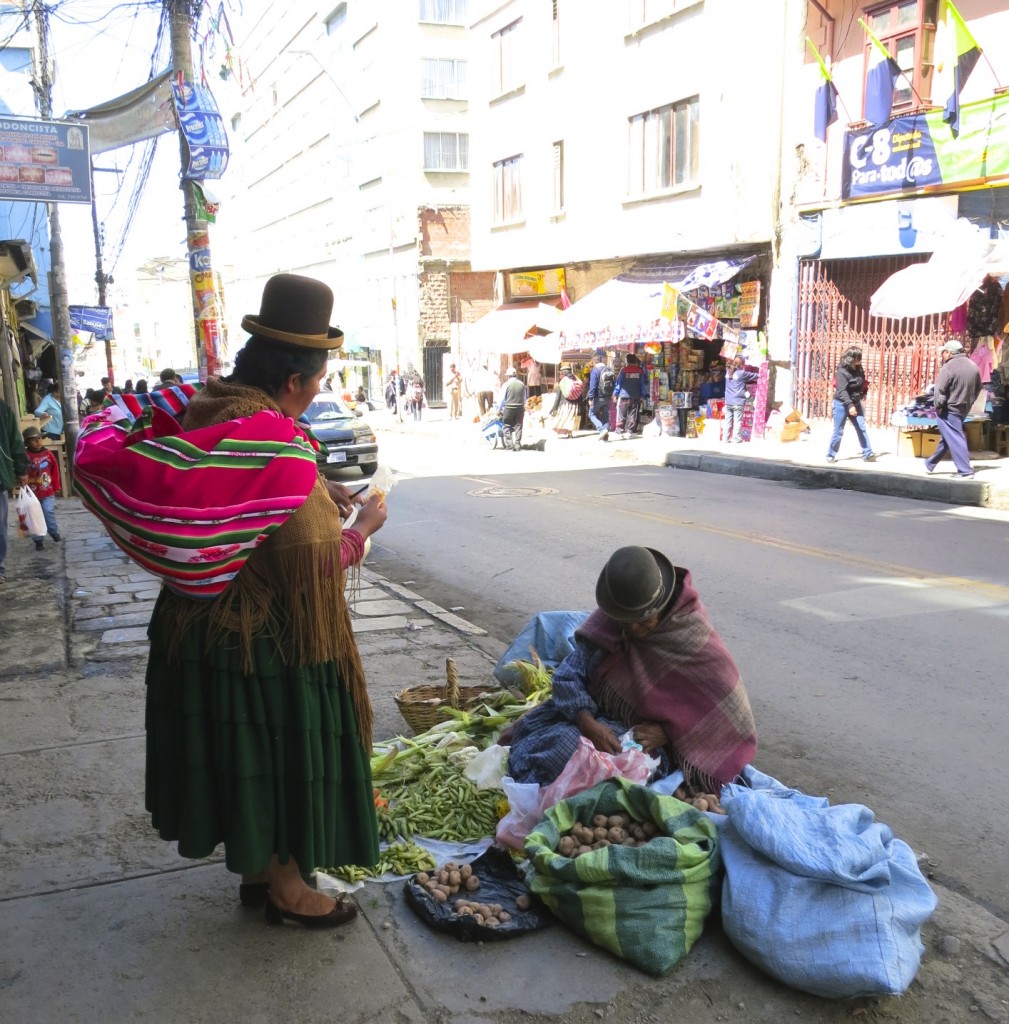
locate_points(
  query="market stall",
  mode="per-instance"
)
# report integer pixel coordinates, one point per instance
(681, 320)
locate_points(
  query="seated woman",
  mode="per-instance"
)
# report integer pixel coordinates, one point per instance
(647, 660)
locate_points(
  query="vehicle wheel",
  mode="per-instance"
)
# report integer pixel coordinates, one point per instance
(369, 469)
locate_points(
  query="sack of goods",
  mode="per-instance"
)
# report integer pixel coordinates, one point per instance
(572, 388)
(643, 886)
(822, 898)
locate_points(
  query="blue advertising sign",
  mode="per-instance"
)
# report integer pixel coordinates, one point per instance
(44, 161)
(203, 129)
(96, 319)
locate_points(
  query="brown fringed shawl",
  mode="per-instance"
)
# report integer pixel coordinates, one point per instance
(681, 676)
(292, 586)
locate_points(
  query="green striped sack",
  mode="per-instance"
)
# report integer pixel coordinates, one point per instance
(646, 904)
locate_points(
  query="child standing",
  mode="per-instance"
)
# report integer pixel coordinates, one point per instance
(43, 479)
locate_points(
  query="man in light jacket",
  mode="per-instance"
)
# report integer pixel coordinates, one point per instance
(956, 389)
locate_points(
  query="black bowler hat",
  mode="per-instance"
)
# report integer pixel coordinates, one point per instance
(635, 584)
(296, 310)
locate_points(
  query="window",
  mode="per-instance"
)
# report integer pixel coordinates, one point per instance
(645, 12)
(663, 148)
(508, 190)
(555, 31)
(558, 177)
(446, 151)
(335, 22)
(907, 30)
(506, 59)
(443, 12)
(443, 79)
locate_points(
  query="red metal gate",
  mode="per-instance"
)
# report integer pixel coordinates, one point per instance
(899, 356)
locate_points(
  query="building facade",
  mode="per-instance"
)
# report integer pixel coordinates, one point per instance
(351, 158)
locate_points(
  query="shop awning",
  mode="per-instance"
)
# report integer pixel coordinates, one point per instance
(626, 309)
(37, 339)
(505, 330)
(955, 271)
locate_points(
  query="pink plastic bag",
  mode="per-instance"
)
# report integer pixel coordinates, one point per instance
(586, 767)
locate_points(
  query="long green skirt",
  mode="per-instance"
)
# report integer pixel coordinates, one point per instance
(269, 763)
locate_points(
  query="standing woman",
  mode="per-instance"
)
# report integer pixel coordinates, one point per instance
(258, 719)
(566, 410)
(50, 410)
(850, 388)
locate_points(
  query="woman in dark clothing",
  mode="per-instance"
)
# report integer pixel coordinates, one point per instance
(849, 389)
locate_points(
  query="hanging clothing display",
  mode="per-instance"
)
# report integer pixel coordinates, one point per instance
(983, 309)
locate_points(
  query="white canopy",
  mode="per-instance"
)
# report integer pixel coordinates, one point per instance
(949, 278)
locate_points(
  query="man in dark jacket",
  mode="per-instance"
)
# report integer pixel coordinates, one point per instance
(629, 389)
(512, 410)
(956, 389)
(13, 470)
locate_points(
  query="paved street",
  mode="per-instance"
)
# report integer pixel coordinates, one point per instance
(96, 901)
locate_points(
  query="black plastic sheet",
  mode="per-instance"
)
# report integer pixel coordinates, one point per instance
(499, 883)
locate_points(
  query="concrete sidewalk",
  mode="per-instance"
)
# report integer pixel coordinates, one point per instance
(104, 922)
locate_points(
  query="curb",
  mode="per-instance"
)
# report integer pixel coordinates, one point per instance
(947, 490)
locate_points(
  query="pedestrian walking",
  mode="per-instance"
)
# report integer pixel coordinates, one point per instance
(50, 410)
(258, 719)
(512, 410)
(736, 381)
(957, 386)
(486, 384)
(567, 410)
(628, 389)
(44, 480)
(416, 397)
(13, 471)
(602, 383)
(850, 388)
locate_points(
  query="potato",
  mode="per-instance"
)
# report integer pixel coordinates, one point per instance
(680, 793)
(472, 883)
(442, 877)
(629, 842)
(465, 871)
(462, 904)
(635, 831)
(566, 846)
(451, 866)
(582, 849)
(599, 833)
(485, 910)
(584, 835)
(504, 917)
(617, 821)
(600, 821)
(700, 803)
(491, 922)
(439, 895)
(523, 902)
(600, 844)
(650, 829)
(495, 909)
(454, 878)
(422, 877)
(616, 834)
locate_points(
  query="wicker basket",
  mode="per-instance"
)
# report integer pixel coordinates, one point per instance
(424, 706)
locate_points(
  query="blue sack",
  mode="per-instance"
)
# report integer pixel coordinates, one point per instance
(822, 898)
(549, 634)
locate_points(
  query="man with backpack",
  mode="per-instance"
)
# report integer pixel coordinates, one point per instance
(629, 389)
(601, 385)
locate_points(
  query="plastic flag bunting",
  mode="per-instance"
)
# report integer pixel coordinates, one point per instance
(958, 52)
(825, 102)
(880, 80)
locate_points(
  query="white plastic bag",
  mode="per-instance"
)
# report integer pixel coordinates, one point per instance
(31, 521)
(488, 768)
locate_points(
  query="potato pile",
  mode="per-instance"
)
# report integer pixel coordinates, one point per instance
(605, 830)
(448, 881)
(453, 878)
(702, 801)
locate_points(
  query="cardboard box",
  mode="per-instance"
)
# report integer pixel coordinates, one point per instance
(791, 431)
(909, 444)
(974, 432)
(929, 442)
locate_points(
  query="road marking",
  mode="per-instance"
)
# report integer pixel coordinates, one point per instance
(996, 591)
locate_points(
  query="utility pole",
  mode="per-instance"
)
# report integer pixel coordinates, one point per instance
(100, 279)
(181, 14)
(58, 301)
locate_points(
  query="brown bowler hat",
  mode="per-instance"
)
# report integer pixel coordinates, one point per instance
(296, 311)
(635, 584)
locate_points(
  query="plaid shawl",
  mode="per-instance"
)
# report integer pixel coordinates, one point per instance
(682, 676)
(191, 507)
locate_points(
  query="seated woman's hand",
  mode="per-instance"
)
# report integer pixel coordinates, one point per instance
(372, 516)
(344, 499)
(651, 736)
(601, 736)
